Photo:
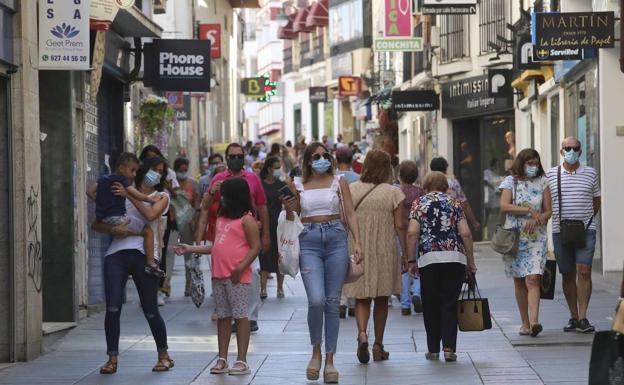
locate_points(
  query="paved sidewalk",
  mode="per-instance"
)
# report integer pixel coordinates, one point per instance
(279, 352)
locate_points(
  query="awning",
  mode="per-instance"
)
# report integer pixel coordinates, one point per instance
(318, 16)
(133, 23)
(245, 3)
(300, 21)
(287, 33)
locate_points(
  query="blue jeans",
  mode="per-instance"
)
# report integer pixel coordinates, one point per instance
(117, 267)
(409, 289)
(324, 262)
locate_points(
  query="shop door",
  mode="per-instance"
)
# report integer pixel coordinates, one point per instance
(315, 121)
(6, 266)
(467, 161)
(297, 122)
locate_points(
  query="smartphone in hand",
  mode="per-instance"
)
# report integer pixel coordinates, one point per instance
(286, 192)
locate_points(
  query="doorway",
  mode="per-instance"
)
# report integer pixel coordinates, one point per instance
(297, 120)
(6, 261)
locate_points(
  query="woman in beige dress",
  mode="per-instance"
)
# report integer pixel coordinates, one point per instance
(379, 209)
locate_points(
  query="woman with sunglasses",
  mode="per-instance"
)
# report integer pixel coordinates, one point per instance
(324, 255)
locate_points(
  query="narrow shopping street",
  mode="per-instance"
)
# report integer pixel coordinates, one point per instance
(279, 351)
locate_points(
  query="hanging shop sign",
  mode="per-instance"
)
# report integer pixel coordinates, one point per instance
(561, 36)
(212, 32)
(177, 65)
(500, 82)
(449, 7)
(103, 12)
(349, 86)
(318, 94)
(181, 103)
(404, 101)
(523, 53)
(64, 35)
(260, 88)
(398, 18)
(470, 97)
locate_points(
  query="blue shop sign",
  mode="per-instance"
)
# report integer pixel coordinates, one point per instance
(7, 9)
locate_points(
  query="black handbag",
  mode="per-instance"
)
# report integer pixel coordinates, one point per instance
(606, 366)
(473, 313)
(549, 277)
(572, 231)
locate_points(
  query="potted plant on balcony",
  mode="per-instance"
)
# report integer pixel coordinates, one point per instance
(155, 121)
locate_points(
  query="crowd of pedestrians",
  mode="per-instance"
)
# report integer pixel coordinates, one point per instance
(413, 241)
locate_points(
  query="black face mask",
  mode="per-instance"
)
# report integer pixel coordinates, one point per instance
(235, 164)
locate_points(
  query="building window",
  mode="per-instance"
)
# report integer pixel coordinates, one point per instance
(493, 18)
(454, 44)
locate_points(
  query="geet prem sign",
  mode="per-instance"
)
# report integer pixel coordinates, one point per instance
(178, 65)
(470, 97)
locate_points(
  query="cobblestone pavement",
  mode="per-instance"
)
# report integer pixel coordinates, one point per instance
(279, 352)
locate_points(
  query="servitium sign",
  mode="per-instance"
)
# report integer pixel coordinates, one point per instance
(178, 65)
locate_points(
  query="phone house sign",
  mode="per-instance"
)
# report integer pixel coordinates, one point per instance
(181, 65)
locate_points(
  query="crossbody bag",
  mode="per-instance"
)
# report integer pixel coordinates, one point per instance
(507, 241)
(572, 231)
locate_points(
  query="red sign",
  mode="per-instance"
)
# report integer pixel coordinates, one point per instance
(212, 32)
(349, 86)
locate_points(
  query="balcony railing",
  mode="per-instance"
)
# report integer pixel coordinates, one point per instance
(313, 50)
(453, 38)
(306, 53)
(288, 60)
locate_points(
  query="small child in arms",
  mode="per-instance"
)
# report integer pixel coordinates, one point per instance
(236, 245)
(111, 209)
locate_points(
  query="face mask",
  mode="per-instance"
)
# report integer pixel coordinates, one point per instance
(181, 175)
(235, 164)
(277, 173)
(530, 171)
(152, 178)
(321, 166)
(571, 157)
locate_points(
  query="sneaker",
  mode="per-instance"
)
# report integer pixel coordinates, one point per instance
(583, 326)
(417, 303)
(253, 326)
(571, 326)
(406, 311)
(154, 270)
(160, 299)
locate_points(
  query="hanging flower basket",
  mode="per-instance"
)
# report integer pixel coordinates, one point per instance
(155, 115)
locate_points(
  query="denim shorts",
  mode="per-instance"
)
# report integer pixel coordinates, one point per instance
(568, 258)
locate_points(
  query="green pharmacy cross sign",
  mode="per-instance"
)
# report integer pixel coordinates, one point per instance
(270, 89)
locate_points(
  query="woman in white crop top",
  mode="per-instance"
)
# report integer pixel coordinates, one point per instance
(324, 256)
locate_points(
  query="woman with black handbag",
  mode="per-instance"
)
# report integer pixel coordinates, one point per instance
(526, 203)
(445, 254)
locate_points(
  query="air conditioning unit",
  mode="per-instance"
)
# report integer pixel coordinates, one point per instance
(435, 36)
(160, 7)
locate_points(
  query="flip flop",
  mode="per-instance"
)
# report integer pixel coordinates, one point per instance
(238, 370)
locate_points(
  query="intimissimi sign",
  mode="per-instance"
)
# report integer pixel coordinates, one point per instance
(178, 65)
(471, 97)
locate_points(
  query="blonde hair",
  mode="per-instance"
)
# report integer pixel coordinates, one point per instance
(435, 181)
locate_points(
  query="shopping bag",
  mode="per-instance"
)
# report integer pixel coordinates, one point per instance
(606, 366)
(473, 311)
(197, 280)
(547, 286)
(288, 244)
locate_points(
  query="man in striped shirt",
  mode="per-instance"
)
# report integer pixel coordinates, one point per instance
(580, 200)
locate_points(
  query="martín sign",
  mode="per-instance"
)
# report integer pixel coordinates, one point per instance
(178, 65)
(560, 35)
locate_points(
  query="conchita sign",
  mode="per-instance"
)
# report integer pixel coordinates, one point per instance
(178, 65)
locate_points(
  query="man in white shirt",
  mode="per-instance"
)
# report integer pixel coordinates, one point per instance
(580, 200)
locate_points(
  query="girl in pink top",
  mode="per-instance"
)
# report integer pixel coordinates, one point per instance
(236, 245)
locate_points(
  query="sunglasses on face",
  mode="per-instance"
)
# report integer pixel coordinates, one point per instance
(237, 156)
(575, 148)
(319, 156)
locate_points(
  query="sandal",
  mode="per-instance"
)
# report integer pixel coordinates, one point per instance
(362, 351)
(536, 329)
(163, 364)
(240, 368)
(379, 354)
(330, 375)
(280, 294)
(218, 368)
(313, 370)
(263, 294)
(524, 331)
(110, 367)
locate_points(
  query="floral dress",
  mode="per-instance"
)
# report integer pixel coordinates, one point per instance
(533, 247)
(439, 217)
